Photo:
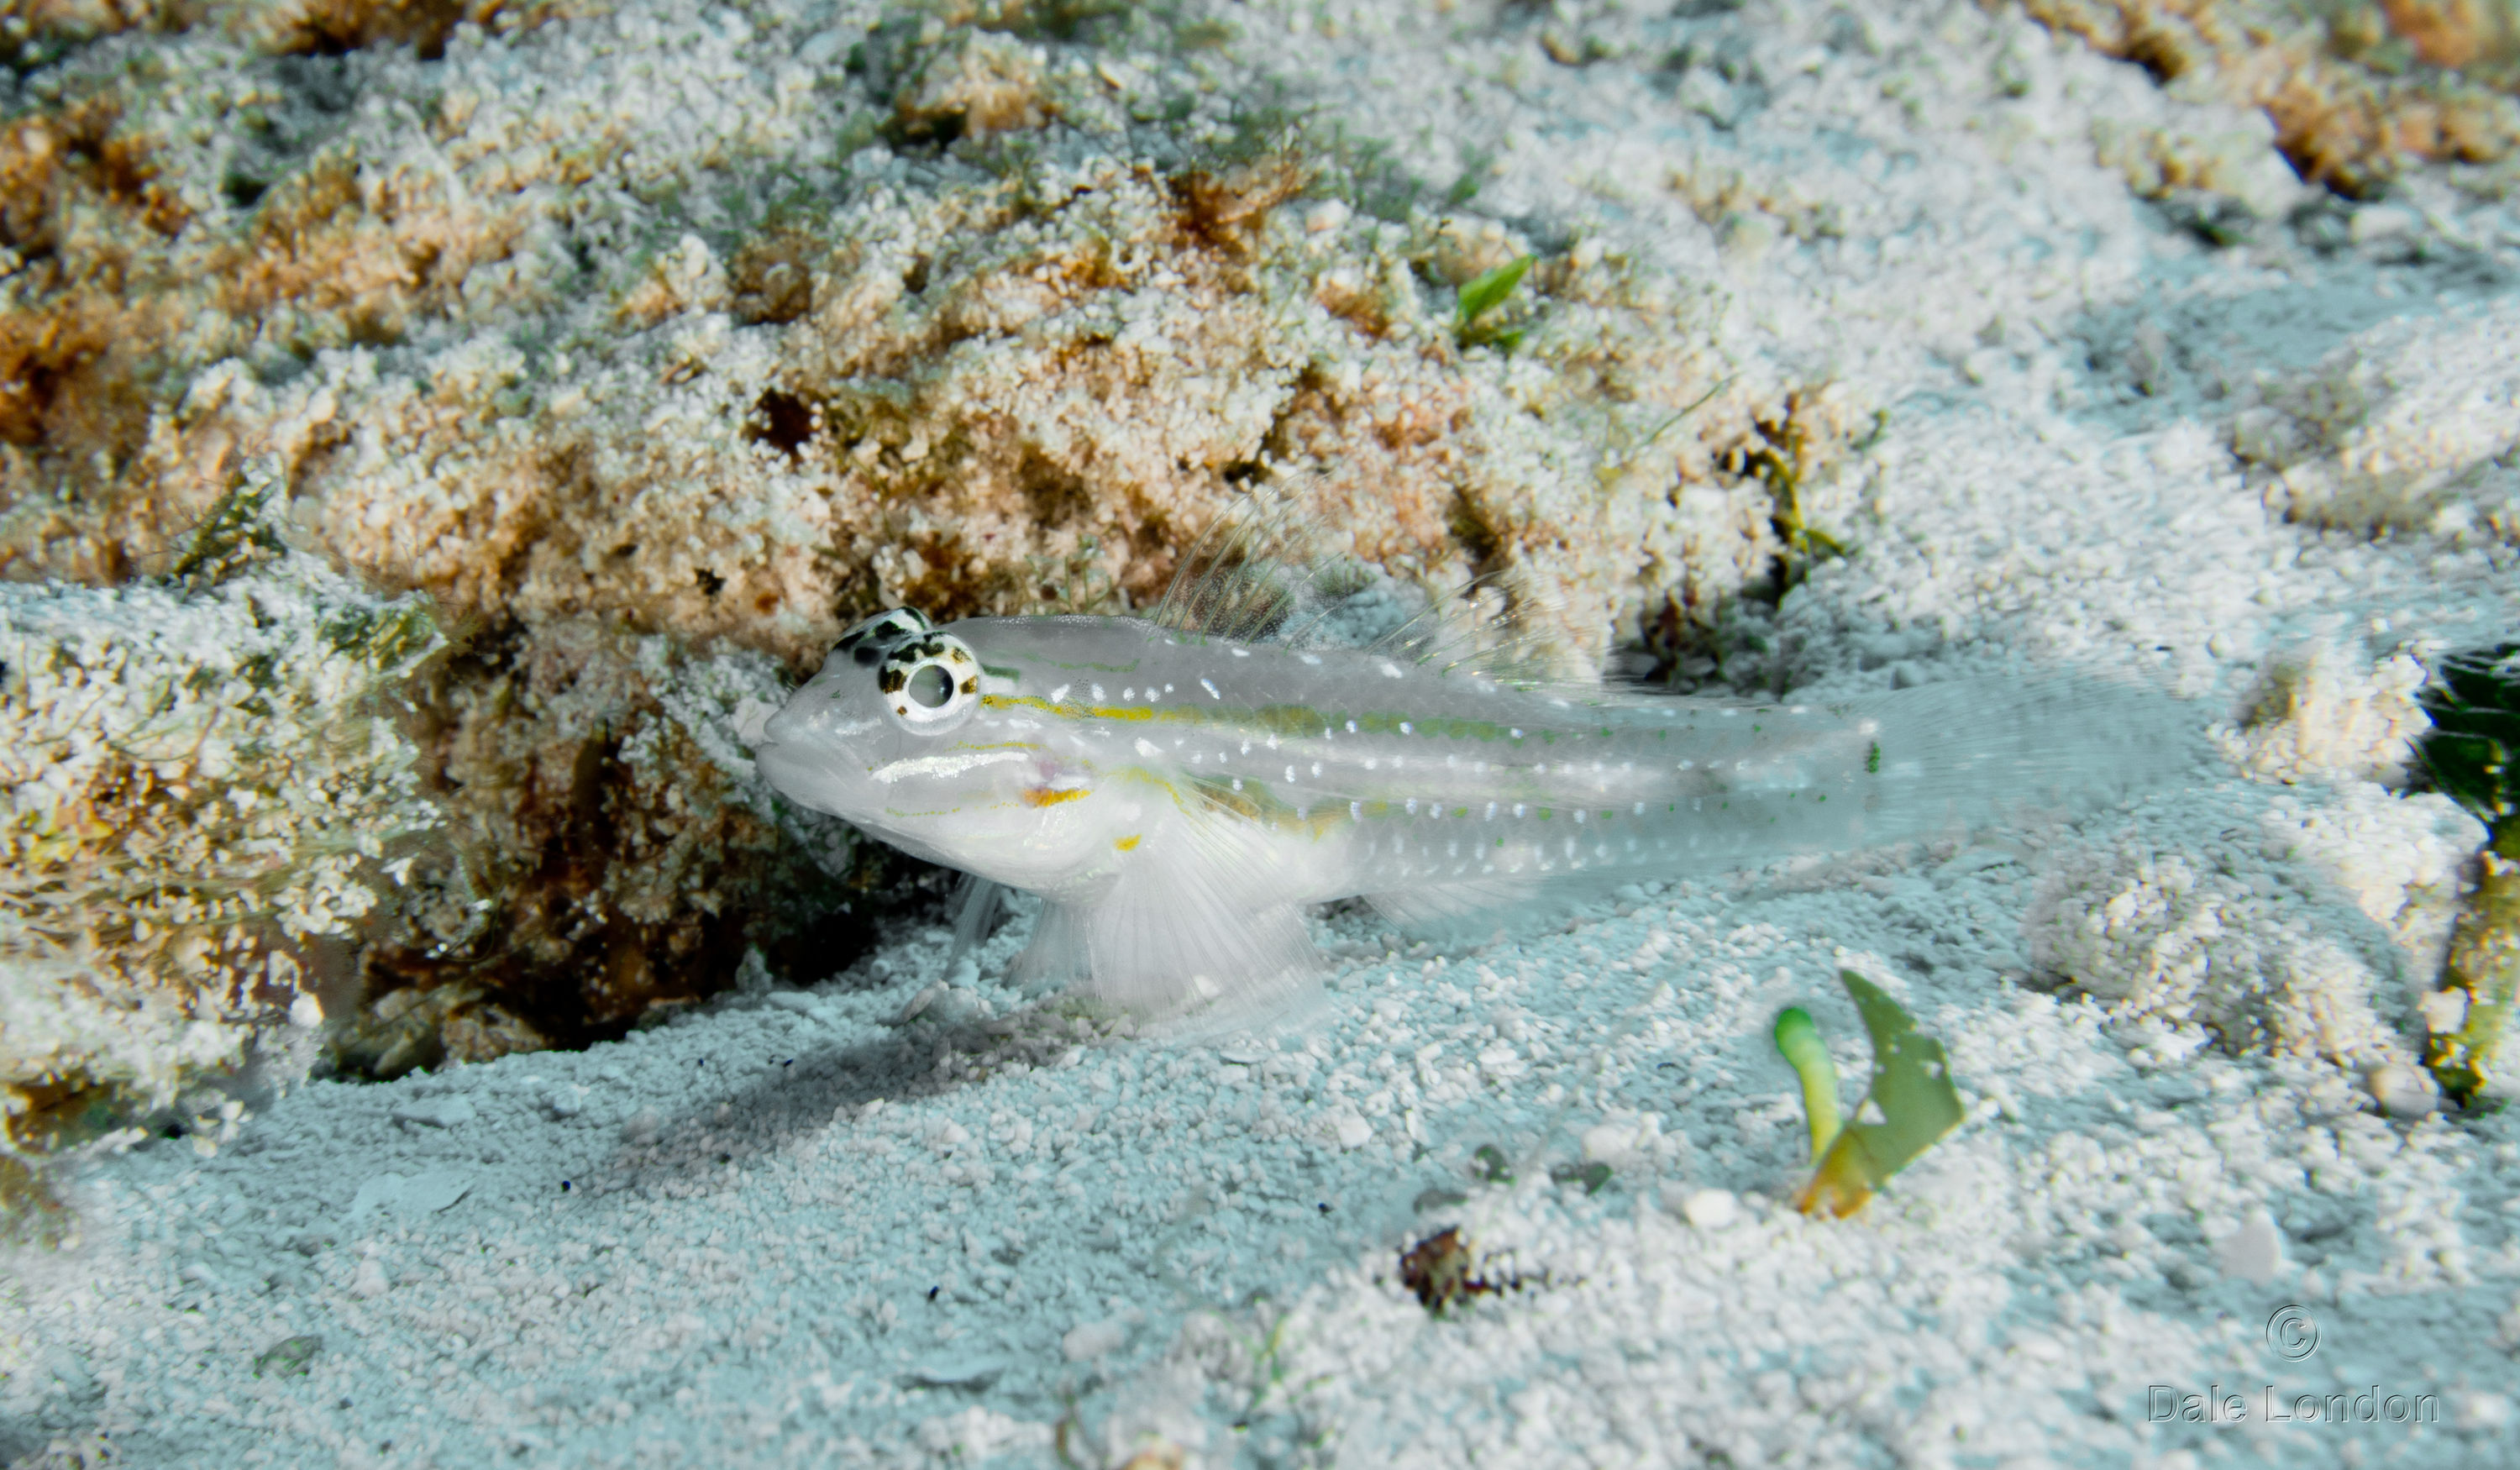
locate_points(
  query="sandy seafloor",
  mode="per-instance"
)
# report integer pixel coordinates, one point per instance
(785, 1231)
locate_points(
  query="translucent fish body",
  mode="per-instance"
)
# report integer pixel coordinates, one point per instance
(1179, 800)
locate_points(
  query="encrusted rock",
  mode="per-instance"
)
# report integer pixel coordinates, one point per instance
(652, 402)
(203, 793)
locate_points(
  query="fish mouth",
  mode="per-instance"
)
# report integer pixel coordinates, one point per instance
(810, 776)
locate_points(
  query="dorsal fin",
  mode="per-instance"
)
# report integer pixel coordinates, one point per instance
(1268, 570)
(1482, 629)
(1260, 571)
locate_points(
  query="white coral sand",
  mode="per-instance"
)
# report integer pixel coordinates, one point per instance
(793, 1230)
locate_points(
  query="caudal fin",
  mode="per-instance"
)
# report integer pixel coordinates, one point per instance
(1973, 752)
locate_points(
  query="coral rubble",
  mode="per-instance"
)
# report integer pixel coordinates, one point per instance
(204, 794)
(2355, 92)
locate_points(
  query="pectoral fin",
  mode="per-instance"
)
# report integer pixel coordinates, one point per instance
(1177, 943)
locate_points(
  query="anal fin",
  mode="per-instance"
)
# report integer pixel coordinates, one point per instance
(1451, 905)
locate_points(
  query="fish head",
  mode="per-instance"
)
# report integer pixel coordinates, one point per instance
(898, 734)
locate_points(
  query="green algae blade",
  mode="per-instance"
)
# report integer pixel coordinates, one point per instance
(1798, 1043)
(1910, 1106)
(2474, 702)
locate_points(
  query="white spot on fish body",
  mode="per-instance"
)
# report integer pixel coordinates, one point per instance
(1407, 729)
(1098, 692)
(1290, 774)
(1517, 808)
(1239, 652)
(1313, 659)
(1059, 693)
(1211, 690)
(1491, 810)
(1351, 727)
(1148, 748)
(1413, 806)
(1391, 670)
(1356, 813)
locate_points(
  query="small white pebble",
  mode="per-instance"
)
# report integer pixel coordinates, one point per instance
(2254, 1252)
(1711, 1209)
(2445, 1011)
(918, 1003)
(2401, 1090)
(438, 1112)
(1611, 1143)
(1091, 1340)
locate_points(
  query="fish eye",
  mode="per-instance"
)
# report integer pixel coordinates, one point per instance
(931, 681)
